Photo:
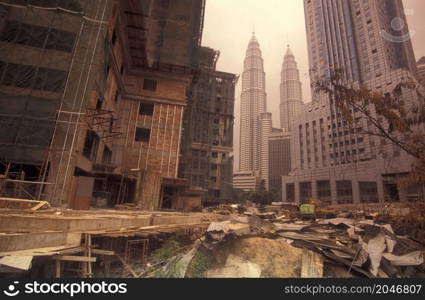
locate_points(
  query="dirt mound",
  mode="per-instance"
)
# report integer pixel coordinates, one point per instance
(276, 258)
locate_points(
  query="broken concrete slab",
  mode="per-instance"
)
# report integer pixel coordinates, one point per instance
(415, 258)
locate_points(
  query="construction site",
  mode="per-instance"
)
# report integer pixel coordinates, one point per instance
(116, 159)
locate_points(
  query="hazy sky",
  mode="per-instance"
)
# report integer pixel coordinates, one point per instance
(229, 25)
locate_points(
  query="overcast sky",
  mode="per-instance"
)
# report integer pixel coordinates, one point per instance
(229, 25)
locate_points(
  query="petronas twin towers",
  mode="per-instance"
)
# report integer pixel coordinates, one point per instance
(253, 104)
(256, 123)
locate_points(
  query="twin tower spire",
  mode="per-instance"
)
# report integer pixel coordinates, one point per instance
(255, 121)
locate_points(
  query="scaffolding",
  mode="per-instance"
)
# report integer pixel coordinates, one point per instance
(48, 51)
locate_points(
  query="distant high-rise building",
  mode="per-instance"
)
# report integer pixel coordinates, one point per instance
(333, 160)
(279, 159)
(421, 71)
(290, 91)
(266, 130)
(255, 124)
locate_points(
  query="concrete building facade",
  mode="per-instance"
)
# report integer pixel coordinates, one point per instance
(333, 161)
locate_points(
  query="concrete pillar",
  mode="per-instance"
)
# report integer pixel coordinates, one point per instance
(282, 182)
(333, 191)
(356, 191)
(297, 192)
(314, 189)
(148, 190)
(402, 193)
(380, 185)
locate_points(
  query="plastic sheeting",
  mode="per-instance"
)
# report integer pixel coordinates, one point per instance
(26, 125)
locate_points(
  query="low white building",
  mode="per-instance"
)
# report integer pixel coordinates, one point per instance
(246, 180)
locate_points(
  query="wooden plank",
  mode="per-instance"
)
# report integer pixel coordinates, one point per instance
(102, 252)
(40, 205)
(58, 269)
(130, 269)
(30, 182)
(19, 200)
(89, 249)
(75, 258)
(48, 251)
(70, 251)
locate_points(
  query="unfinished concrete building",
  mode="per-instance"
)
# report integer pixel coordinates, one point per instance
(92, 98)
(207, 141)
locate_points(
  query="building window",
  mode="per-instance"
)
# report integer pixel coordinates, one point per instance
(107, 155)
(146, 109)
(91, 145)
(114, 38)
(149, 85)
(117, 95)
(368, 192)
(142, 134)
(290, 192)
(305, 191)
(99, 103)
(344, 191)
(214, 154)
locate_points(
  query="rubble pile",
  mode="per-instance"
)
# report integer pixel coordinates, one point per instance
(270, 242)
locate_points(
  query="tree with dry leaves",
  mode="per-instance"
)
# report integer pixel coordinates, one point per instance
(390, 116)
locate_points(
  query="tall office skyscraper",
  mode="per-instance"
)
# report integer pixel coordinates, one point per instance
(253, 104)
(333, 160)
(290, 91)
(366, 38)
(255, 123)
